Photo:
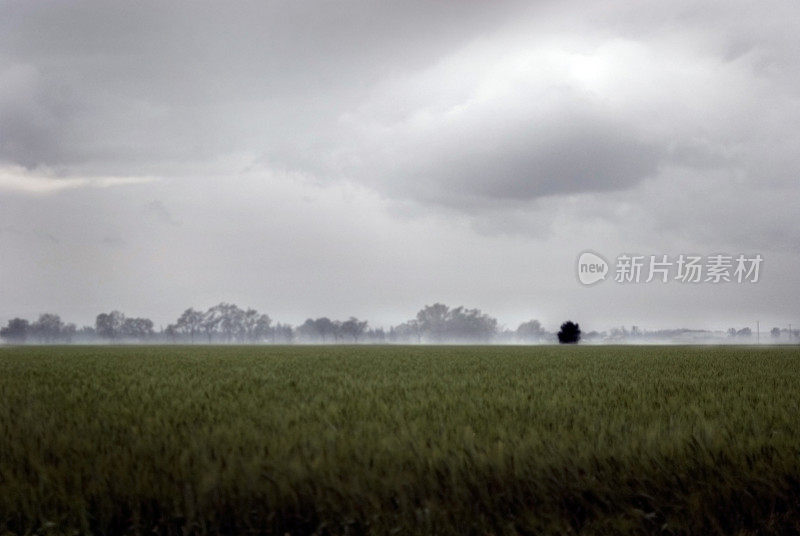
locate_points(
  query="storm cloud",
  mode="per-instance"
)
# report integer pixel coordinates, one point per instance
(260, 151)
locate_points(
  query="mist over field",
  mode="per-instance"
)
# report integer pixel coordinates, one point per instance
(227, 323)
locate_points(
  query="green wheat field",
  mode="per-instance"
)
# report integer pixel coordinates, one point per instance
(399, 440)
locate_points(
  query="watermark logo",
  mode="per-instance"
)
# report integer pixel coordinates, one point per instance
(629, 268)
(592, 268)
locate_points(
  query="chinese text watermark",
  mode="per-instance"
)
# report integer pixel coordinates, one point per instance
(661, 268)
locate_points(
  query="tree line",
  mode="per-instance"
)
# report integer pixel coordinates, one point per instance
(228, 323)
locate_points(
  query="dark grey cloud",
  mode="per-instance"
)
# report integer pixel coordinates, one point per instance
(33, 115)
(540, 110)
(120, 88)
(536, 159)
(350, 157)
(448, 104)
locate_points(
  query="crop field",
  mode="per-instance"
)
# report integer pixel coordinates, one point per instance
(399, 440)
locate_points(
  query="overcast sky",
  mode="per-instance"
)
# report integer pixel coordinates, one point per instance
(368, 158)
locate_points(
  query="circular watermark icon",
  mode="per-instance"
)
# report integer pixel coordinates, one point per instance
(592, 268)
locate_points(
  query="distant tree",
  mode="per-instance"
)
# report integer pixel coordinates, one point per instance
(619, 333)
(282, 333)
(48, 328)
(407, 331)
(470, 325)
(570, 333)
(325, 327)
(337, 330)
(775, 332)
(68, 332)
(744, 332)
(247, 328)
(116, 326)
(211, 320)
(16, 331)
(531, 331)
(136, 328)
(109, 325)
(262, 328)
(229, 320)
(439, 323)
(190, 322)
(86, 333)
(171, 332)
(307, 331)
(320, 329)
(432, 321)
(376, 335)
(592, 336)
(354, 328)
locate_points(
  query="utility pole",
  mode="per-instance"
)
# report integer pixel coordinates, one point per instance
(758, 332)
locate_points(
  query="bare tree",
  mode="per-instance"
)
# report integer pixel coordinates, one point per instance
(190, 322)
(211, 320)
